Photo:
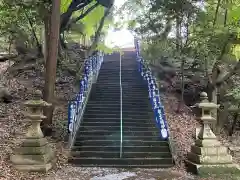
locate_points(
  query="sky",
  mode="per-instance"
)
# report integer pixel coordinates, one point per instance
(121, 38)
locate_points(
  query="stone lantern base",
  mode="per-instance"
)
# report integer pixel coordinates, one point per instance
(33, 155)
(209, 169)
(208, 156)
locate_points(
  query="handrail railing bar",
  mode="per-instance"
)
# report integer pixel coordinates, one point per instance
(153, 94)
(91, 74)
(80, 116)
(121, 128)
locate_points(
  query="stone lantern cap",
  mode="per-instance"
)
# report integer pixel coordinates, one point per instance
(205, 104)
(37, 100)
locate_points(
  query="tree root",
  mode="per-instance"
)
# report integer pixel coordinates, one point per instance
(7, 57)
(15, 70)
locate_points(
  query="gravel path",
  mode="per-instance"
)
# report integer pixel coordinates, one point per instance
(78, 173)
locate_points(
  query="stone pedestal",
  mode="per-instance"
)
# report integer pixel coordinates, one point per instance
(208, 156)
(34, 154)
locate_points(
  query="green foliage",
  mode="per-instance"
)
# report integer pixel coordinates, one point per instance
(16, 16)
(235, 93)
(155, 50)
(19, 20)
(89, 24)
(64, 5)
(204, 32)
(91, 20)
(102, 47)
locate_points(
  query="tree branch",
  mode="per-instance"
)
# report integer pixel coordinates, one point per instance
(226, 14)
(216, 12)
(98, 33)
(34, 33)
(229, 75)
(86, 13)
(74, 6)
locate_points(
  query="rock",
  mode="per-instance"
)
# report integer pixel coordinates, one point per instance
(5, 95)
(234, 150)
(162, 85)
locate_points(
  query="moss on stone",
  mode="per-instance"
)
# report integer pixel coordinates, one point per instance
(218, 171)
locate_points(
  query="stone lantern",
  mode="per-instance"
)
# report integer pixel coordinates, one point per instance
(208, 156)
(205, 117)
(34, 154)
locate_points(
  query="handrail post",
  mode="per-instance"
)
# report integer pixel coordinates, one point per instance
(121, 128)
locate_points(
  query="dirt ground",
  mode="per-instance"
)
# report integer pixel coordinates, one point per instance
(12, 128)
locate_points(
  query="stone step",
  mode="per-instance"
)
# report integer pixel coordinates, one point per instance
(125, 142)
(133, 87)
(87, 114)
(125, 101)
(112, 102)
(125, 86)
(105, 79)
(116, 154)
(117, 94)
(107, 87)
(121, 161)
(117, 119)
(110, 123)
(125, 128)
(127, 166)
(142, 148)
(118, 97)
(116, 137)
(115, 105)
(117, 133)
(135, 99)
(125, 111)
(106, 93)
(112, 88)
(102, 115)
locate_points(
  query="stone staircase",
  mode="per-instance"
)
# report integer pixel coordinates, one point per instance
(98, 141)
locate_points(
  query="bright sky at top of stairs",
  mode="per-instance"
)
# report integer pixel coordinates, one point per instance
(122, 38)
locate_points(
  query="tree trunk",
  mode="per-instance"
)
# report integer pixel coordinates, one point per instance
(181, 102)
(178, 48)
(223, 114)
(226, 14)
(46, 34)
(51, 64)
(212, 89)
(235, 119)
(225, 104)
(216, 12)
(178, 34)
(45, 37)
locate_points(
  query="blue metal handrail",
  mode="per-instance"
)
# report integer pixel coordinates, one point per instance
(76, 107)
(157, 106)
